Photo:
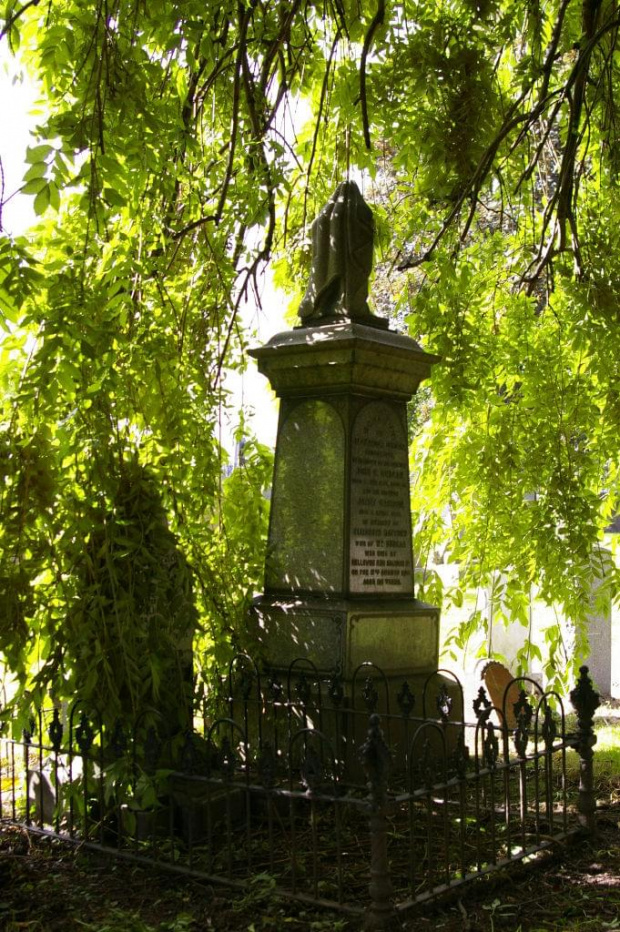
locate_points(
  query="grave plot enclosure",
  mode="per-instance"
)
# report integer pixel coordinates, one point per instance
(265, 791)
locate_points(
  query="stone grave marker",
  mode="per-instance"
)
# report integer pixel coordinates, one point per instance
(339, 574)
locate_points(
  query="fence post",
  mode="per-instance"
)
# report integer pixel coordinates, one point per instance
(585, 701)
(376, 760)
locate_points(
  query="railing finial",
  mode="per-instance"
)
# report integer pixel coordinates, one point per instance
(585, 701)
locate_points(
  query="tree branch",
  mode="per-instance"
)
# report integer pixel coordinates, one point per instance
(315, 137)
(377, 21)
(473, 188)
(235, 115)
(573, 90)
(179, 234)
(16, 15)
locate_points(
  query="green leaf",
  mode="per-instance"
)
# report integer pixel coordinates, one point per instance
(114, 198)
(87, 349)
(34, 186)
(515, 462)
(42, 200)
(36, 154)
(54, 195)
(37, 170)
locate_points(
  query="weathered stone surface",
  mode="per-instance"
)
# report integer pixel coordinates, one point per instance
(401, 635)
(303, 628)
(340, 517)
(306, 538)
(400, 642)
(343, 357)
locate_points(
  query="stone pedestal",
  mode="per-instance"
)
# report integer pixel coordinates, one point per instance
(400, 635)
(339, 573)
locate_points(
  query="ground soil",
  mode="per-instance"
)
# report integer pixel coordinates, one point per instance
(46, 886)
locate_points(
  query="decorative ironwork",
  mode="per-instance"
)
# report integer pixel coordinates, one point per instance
(335, 690)
(440, 828)
(482, 706)
(549, 728)
(490, 746)
(376, 760)
(425, 766)
(460, 757)
(245, 682)
(118, 740)
(303, 690)
(188, 752)
(29, 732)
(584, 698)
(56, 732)
(152, 749)
(523, 715)
(227, 759)
(267, 767)
(405, 700)
(84, 735)
(311, 770)
(585, 701)
(211, 758)
(444, 703)
(275, 689)
(370, 695)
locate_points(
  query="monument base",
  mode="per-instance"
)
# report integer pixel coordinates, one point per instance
(400, 635)
(376, 646)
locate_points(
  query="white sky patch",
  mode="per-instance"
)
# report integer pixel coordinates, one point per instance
(18, 98)
(250, 389)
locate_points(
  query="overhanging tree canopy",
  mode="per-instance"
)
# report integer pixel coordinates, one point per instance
(185, 144)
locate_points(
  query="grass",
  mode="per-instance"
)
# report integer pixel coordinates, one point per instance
(606, 759)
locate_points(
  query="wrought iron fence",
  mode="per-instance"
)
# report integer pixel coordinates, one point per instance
(360, 796)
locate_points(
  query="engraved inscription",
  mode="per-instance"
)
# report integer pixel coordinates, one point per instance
(380, 544)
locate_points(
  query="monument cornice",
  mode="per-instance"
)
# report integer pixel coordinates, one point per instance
(344, 356)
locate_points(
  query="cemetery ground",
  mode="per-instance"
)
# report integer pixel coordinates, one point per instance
(47, 886)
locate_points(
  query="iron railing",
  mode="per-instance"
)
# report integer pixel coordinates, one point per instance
(358, 796)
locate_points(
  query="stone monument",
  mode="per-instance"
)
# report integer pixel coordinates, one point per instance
(339, 572)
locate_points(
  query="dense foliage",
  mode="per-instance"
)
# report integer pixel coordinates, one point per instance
(184, 144)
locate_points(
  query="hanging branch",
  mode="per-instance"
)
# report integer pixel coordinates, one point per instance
(576, 102)
(473, 188)
(315, 138)
(215, 73)
(2, 190)
(560, 205)
(276, 46)
(190, 227)
(259, 131)
(243, 30)
(377, 21)
(562, 202)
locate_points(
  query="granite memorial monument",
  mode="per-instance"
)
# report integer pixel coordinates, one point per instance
(339, 586)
